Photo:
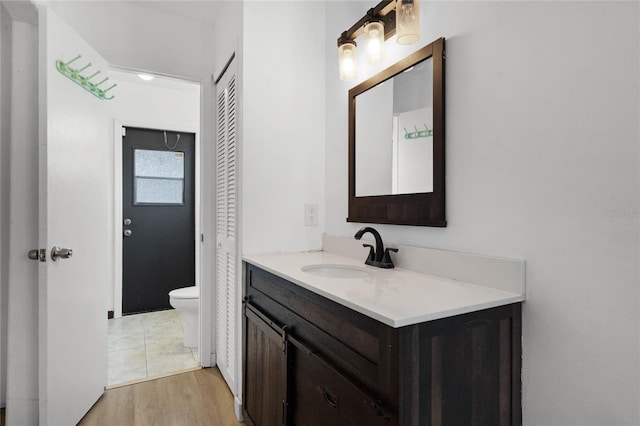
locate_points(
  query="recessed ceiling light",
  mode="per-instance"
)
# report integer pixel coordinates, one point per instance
(146, 77)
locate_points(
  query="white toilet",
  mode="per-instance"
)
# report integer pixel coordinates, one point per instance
(187, 301)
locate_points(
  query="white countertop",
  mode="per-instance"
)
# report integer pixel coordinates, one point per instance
(395, 297)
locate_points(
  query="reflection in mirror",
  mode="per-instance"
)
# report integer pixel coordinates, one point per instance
(394, 134)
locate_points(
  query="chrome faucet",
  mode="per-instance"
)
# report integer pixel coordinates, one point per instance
(378, 257)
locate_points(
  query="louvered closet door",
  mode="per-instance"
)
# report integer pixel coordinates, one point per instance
(227, 285)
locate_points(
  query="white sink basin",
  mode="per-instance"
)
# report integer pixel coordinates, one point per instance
(337, 271)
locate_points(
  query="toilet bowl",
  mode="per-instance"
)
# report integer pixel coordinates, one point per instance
(187, 301)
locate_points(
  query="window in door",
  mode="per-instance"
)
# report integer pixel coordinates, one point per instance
(158, 177)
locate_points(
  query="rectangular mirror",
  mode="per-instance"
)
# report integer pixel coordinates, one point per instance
(396, 143)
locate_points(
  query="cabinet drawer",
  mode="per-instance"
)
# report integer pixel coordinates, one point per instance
(322, 395)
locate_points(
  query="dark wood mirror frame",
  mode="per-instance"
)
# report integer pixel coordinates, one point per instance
(421, 209)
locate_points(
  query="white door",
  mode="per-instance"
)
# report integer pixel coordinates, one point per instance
(227, 276)
(74, 199)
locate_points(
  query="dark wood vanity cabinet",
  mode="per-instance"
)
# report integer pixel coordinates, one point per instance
(311, 361)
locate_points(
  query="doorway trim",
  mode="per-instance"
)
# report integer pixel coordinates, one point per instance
(118, 124)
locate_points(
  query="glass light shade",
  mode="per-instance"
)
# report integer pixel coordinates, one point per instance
(348, 63)
(374, 41)
(407, 21)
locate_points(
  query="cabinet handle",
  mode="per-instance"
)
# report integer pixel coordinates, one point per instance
(284, 338)
(381, 411)
(330, 398)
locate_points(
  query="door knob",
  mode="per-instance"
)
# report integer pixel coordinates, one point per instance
(127, 222)
(127, 232)
(60, 253)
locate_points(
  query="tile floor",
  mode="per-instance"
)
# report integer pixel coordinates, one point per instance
(148, 345)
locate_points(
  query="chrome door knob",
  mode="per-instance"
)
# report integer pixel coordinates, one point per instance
(60, 253)
(127, 232)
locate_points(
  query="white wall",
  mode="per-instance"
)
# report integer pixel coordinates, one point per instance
(227, 38)
(172, 102)
(542, 164)
(284, 126)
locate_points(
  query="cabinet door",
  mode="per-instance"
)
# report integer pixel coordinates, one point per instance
(265, 378)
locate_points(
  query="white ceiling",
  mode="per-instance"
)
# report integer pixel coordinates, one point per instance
(199, 10)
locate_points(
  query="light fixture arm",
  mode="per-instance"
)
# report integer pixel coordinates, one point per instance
(384, 11)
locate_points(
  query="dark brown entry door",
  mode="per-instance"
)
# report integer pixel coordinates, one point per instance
(158, 249)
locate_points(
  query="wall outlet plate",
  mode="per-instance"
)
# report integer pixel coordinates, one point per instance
(311, 215)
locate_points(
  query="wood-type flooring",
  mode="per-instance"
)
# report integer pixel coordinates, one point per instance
(199, 397)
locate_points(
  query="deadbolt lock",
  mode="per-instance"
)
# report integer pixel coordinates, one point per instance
(38, 254)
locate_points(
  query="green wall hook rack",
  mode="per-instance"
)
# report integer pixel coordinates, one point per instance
(84, 81)
(418, 133)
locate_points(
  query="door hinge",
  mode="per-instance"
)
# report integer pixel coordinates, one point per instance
(124, 131)
(202, 238)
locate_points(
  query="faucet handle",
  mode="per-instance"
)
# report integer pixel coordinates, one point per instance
(386, 260)
(372, 253)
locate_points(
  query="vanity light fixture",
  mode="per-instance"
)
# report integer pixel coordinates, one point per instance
(407, 21)
(348, 60)
(379, 24)
(374, 41)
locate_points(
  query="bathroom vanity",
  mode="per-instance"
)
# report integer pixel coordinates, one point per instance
(329, 341)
